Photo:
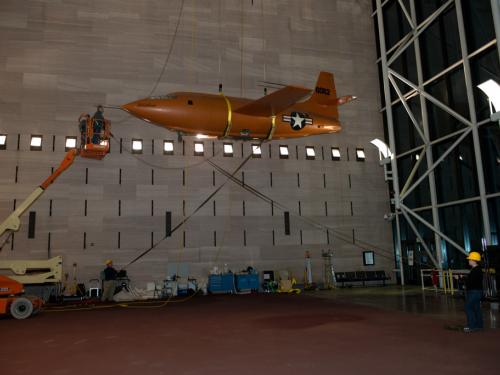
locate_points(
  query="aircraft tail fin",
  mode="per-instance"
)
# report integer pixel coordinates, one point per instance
(324, 99)
(324, 93)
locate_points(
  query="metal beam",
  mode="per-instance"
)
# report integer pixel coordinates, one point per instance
(412, 173)
(440, 139)
(441, 158)
(431, 227)
(422, 241)
(495, 10)
(408, 110)
(412, 92)
(398, 238)
(420, 29)
(387, 96)
(454, 203)
(432, 99)
(428, 146)
(475, 131)
(408, 18)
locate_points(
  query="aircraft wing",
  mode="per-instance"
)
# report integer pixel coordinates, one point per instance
(274, 103)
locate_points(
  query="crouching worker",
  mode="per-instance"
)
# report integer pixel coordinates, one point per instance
(109, 281)
(474, 293)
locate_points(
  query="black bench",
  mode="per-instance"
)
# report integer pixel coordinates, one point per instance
(361, 276)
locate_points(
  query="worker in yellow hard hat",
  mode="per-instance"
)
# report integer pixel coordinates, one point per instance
(474, 293)
(109, 281)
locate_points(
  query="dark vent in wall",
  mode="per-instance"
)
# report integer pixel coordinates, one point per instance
(168, 224)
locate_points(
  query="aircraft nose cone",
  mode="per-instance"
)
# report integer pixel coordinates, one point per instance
(143, 109)
(132, 107)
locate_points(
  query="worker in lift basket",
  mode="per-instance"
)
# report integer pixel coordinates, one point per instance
(474, 293)
(109, 282)
(98, 125)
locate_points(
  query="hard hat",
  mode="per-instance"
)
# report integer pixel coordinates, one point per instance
(109, 261)
(474, 255)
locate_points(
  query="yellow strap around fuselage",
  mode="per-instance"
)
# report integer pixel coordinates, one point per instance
(229, 116)
(273, 128)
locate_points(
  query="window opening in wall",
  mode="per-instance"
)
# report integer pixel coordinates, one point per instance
(335, 153)
(137, 146)
(3, 141)
(198, 149)
(70, 143)
(228, 149)
(368, 258)
(360, 154)
(36, 143)
(256, 151)
(168, 147)
(310, 153)
(283, 152)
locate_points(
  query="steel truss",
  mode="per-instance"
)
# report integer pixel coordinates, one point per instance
(390, 78)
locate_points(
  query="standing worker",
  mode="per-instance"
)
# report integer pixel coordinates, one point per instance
(98, 125)
(109, 281)
(474, 293)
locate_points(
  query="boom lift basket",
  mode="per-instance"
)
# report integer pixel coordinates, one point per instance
(95, 137)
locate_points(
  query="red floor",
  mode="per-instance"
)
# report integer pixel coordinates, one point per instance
(245, 334)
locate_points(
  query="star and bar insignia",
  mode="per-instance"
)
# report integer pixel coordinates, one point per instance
(298, 120)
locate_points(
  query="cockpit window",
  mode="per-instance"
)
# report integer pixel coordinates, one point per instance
(164, 97)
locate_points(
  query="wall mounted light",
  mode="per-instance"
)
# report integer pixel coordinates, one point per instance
(3, 141)
(228, 149)
(168, 147)
(492, 91)
(335, 153)
(256, 151)
(199, 148)
(360, 154)
(137, 146)
(310, 153)
(36, 143)
(283, 152)
(383, 149)
(70, 143)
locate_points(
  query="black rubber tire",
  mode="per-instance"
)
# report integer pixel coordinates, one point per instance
(21, 308)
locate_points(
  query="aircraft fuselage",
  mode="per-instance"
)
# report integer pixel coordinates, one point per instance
(214, 115)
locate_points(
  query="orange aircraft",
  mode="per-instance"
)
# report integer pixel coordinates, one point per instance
(278, 115)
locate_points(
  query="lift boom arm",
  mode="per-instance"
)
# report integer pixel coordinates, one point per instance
(12, 223)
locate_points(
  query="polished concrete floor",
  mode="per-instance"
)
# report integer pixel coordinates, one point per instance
(413, 300)
(344, 331)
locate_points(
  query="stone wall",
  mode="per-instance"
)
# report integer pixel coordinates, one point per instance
(59, 59)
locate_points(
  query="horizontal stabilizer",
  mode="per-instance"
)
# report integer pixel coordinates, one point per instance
(274, 103)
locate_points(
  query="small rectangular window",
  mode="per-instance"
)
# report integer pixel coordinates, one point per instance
(228, 149)
(310, 153)
(70, 143)
(360, 154)
(3, 141)
(137, 146)
(168, 147)
(256, 151)
(335, 153)
(199, 149)
(283, 152)
(368, 258)
(36, 143)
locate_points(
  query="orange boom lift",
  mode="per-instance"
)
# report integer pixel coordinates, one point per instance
(12, 298)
